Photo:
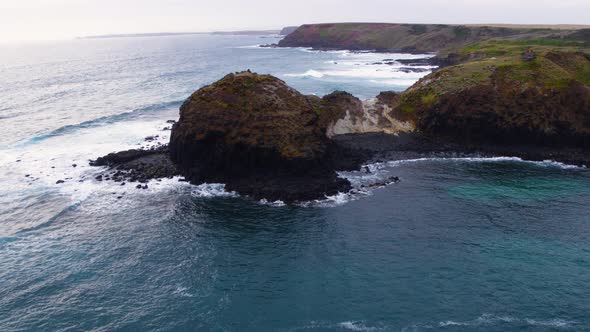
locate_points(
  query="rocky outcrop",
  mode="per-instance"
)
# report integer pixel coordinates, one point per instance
(263, 139)
(257, 135)
(506, 100)
(137, 165)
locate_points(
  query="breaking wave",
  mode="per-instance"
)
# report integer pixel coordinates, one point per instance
(544, 163)
(493, 320)
(109, 119)
(309, 73)
(209, 190)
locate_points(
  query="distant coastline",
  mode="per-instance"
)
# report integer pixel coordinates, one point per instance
(164, 34)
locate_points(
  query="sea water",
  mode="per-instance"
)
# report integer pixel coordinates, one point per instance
(462, 243)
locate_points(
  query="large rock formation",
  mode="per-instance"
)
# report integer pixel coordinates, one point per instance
(507, 95)
(257, 135)
(264, 139)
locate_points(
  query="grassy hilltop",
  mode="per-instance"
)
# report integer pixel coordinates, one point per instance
(408, 37)
(497, 94)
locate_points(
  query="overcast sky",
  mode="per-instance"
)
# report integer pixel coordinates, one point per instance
(62, 19)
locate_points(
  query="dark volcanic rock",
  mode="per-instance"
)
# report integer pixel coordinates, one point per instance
(138, 165)
(257, 135)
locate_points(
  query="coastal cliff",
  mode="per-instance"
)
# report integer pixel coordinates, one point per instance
(418, 38)
(500, 85)
(507, 94)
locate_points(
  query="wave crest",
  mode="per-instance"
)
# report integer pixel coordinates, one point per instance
(104, 120)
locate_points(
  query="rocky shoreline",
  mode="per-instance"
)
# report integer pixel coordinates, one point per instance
(265, 140)
(349, 152)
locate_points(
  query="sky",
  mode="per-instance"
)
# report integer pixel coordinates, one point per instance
(65, 19)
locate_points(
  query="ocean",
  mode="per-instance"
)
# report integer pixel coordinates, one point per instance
(462, 243)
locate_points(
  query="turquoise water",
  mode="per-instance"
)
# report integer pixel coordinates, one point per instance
(460, 244)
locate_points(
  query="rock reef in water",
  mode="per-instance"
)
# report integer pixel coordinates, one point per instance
(137, 165)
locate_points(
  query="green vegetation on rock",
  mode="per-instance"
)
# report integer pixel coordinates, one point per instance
(508, 91)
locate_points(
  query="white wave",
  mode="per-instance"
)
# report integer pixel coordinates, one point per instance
(357, 326)
(182, 291)
(365, 72)
(366, 65)
(364, 54)
(257, 46)
(545, 163)
(309, 73)
(395, 82)
(485, 319)
(338, 199)
(208, 190)
(278, 203)
(375, 72)
(556, 322)
(46, 162)
(490, 319)
(348, 325)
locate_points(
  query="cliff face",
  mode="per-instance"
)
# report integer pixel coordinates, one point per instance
(403, 37)
(507, 94)
(342, 113)
(249, 111)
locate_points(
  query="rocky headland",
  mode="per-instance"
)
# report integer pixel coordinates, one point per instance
(509, 96)
(497, 87)
(258, 136)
